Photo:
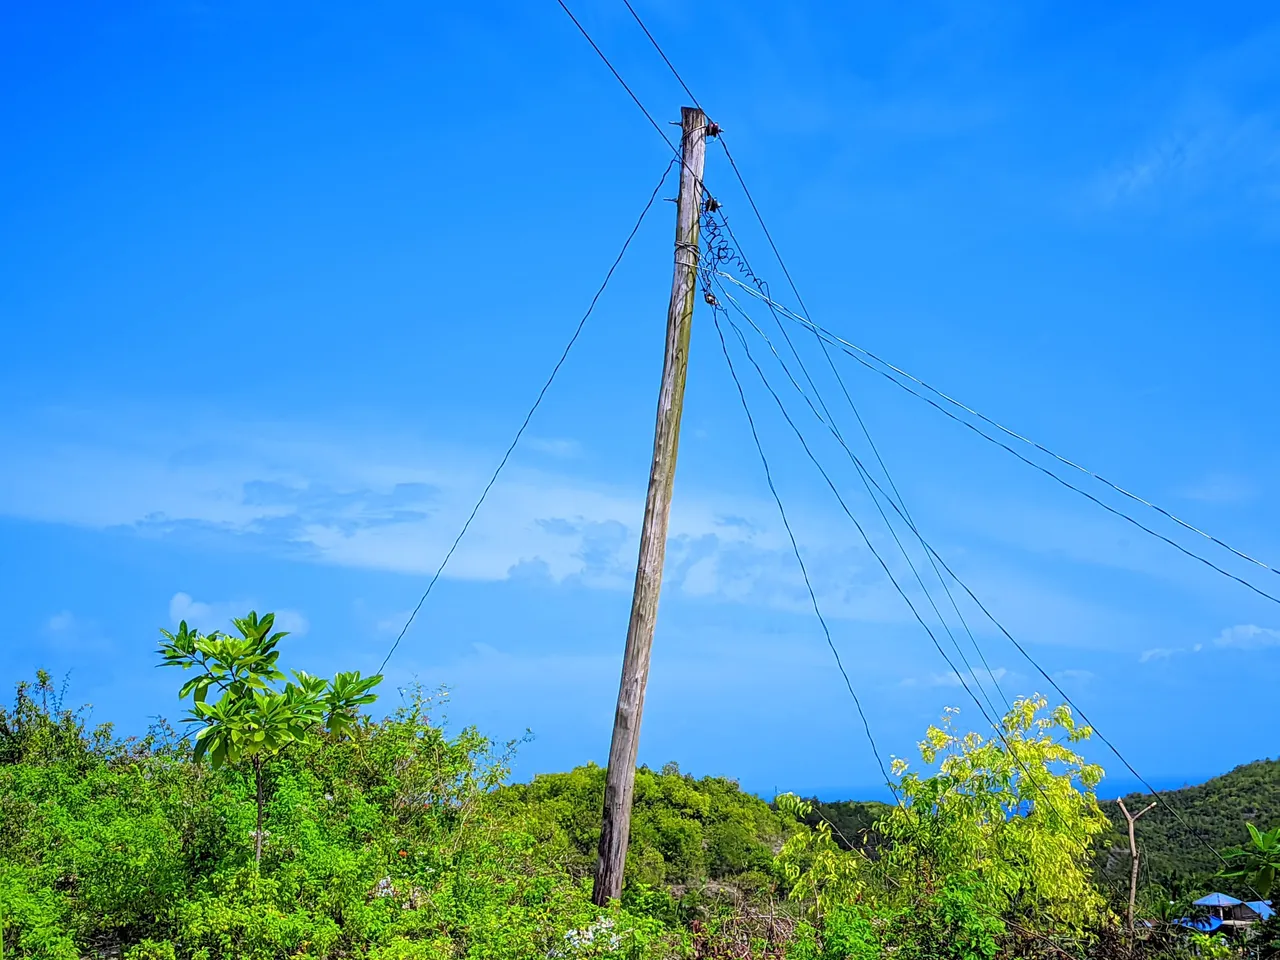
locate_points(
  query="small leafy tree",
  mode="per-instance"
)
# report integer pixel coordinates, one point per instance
(995, 840)
(1257, 864)
(1018, 809)
(252, 718)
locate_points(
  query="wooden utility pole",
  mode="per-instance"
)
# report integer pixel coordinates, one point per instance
(1133, 855)
(621, 778)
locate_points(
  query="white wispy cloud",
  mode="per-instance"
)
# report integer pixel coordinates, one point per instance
(1214, 142)
(1244, 636)
(1166, 653)
(1220, 488)
(954, 679)
(1248, 636)
(1212, 150)
(1075, 674)
(391, 504)
(66, 631)
(61, 623)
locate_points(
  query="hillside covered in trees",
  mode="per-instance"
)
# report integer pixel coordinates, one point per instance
(1176, 852)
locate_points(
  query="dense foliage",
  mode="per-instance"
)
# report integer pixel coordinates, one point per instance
(990, 851)
(683, 830)
(394, 839)
(377, 845)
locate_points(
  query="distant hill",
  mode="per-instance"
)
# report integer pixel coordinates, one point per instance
(1171, 853)
(852, 821)
(689, 830)
(1216, 810)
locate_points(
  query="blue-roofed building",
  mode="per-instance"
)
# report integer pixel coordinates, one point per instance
(1262, 908)
(1217, 900)
(1226, 913)
(1202, 925)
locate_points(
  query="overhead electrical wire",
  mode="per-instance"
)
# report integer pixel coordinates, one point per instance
(847, 346)
(961, 677)
(868, 482)
(630, 92)
(1162, 797)
(1061, 459)
(617, 76)
(532, 410)
(847, 511)
(799, 299)
(663, 54)
(996, 726)
(861, 355)
(760, 451)
(804, 573)
(732, 252)
(719, 252)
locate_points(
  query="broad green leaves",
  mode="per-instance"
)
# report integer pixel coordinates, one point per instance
(238, 665)
(252, 716)
(1257, 864)
(344, 696)
(253, 719)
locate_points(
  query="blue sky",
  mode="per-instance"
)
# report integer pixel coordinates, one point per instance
(278, 283)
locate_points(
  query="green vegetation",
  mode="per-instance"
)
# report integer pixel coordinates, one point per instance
(683, 830)
(1255, 865)
(1217, 810)
(990, 853)
(292, 825)
(252, 720)
(375, 844)
(852, 822)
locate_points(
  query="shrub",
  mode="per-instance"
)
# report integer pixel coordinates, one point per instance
(383, 844)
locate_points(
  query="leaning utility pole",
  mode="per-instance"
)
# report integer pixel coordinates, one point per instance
(621, 779)
(1133, 855)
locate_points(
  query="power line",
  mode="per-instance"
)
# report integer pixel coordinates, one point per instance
(860, 355)
(717, 308)
(849, 513)
(773, 490)
(1021, 649)
(617, 76)
(734, 253)
(627, 87)
(662, 53)
(532, 410)
(795, 547)
(1070, 463)
(799, 299)
(718, 250)
(871, 547)
(867, 482)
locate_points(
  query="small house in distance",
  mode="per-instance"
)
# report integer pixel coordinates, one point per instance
(1227, 913)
